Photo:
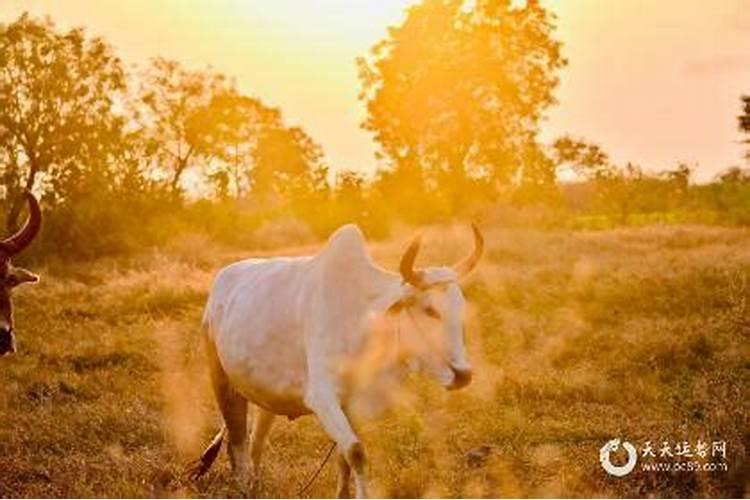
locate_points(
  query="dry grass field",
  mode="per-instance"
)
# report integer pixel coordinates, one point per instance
(576, 338)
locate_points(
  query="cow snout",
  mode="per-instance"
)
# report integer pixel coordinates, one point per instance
(7, 343)
(461, 378)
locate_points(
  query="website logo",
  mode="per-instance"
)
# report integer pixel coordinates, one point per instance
(605, 457)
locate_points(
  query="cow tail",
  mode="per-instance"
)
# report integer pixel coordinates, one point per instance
(199, 467)
(205, 321)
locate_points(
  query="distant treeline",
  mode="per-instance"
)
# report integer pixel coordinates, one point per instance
(129, 157)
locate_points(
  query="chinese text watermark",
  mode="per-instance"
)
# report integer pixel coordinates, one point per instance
(665, 456)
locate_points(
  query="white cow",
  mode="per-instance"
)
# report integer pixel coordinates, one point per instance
(278, 330)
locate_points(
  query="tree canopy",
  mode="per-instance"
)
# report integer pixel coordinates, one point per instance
(455, 97)
(58, 93)
(457, 91)
(744, 124)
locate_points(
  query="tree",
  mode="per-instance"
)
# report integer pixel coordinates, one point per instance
(744, 124)
(730, 193)
(402, 191)
(459, 88)
(57, 95)
(240, 122)
(349, 197)
(734, 175)
(538, 178)
(679, 183)
(287, 162)
(178, 120)
(584, 158)
(617, 189)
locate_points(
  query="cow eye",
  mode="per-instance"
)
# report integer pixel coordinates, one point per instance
(11, 281)
(431, 312)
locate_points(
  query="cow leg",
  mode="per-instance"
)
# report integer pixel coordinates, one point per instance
(234, 411)
(262, 421)
(342, 486)
(324, 403)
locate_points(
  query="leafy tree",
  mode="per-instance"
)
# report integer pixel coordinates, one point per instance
(679, 183)
(538, 178)
(239, 123)
(665, 193)
(459, 88)
(584, 158)
(402, 191)
(57, 95)
(617, 190)
(744, 123)
(287, 162)
(179, 123)
(349, 198)
(730, 194)
(734, 175)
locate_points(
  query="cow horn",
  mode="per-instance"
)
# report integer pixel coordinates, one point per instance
(469, 262)
(406, 267)
(24, 236)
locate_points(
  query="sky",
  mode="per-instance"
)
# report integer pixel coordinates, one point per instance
(654, 82)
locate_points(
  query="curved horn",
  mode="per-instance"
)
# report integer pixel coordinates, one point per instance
(470, 262)
(406, 267)
(17, 242)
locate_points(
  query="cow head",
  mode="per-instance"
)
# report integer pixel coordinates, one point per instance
(11, 276)
(434, 293)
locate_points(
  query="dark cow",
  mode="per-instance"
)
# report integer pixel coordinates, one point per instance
(11, 276)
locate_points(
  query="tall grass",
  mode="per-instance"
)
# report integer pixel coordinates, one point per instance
(576, 338)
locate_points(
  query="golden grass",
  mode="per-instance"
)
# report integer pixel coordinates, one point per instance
(576, 338)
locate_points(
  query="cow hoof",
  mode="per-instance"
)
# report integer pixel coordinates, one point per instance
(251, 487)
(356, 457)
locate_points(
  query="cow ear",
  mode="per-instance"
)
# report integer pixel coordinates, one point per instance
(19, 275)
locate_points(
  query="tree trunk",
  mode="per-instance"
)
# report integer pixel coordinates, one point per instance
(11, 221)
(180, 167)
